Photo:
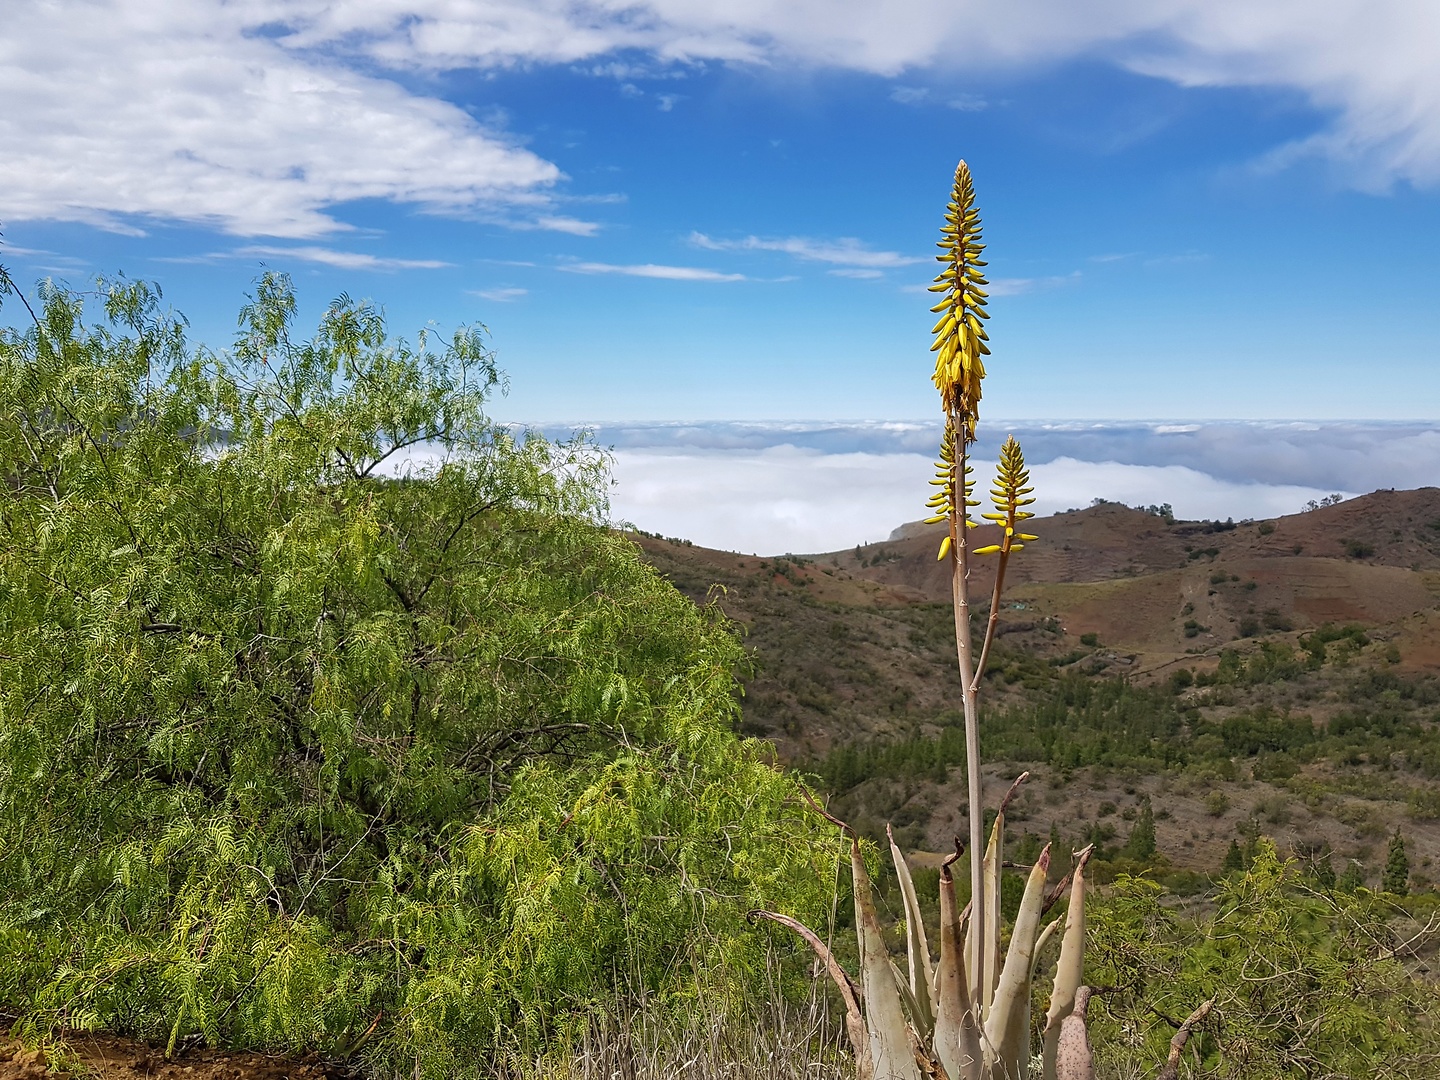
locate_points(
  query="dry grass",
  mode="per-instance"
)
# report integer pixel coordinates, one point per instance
(785, 1042)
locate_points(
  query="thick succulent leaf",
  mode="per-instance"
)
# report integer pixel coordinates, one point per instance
(1007, 1025)
(1041, 942)
(890, 1051)
(910, 1006)
(957, 1036)
(1069, 971)
(1074, 1059)
(990, 945)
(917, 948)
(854, 1018)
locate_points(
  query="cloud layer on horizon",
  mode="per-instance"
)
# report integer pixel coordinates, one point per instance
(773, 488)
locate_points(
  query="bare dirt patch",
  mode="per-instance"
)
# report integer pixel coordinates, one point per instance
(108, 1057)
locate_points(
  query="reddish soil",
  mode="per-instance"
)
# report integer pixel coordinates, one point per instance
(106, 1057)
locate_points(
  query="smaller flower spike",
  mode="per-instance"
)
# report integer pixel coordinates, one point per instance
(1012, 485)
(943, 502)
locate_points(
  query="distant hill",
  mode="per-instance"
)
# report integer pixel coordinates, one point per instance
(855, 648)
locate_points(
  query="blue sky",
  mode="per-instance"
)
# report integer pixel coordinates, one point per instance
(668, 210)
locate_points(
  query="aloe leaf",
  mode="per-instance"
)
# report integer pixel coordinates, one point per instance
(1041, 942)
(994, 854)
(890, 1050)
(957, 1036)
(1070, 969)
(990, 944)
(854, 1018)
(917, 948)
(907, 1001)
(1007, 1025)
(1074, 1060)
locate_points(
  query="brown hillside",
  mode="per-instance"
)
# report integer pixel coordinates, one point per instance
(855, 648)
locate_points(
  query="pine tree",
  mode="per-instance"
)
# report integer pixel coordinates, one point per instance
(1059, 854)
(1234, 859)
(1353, 877)
(1397, 867)
(1141, 844)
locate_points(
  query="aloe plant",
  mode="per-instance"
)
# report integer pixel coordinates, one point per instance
(967, 1016)
(938, 1019)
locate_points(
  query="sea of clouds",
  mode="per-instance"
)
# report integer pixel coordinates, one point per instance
(794, 486)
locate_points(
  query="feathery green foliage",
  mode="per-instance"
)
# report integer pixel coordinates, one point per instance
(1306, 983)
(294, 752)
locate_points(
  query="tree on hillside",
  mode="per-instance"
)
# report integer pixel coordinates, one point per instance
(1352, 878)
(1397, 867)
(358, 708)
(1141, 844)
(1234, 860)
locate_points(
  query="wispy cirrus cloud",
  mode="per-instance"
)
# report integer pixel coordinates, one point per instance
(342, 260)
(923, 95)
(559, 223)
(651, 270)
(844, 251)
(1014, 286)
(1017, 286)
(505, 295)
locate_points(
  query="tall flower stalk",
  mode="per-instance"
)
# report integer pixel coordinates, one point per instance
(967, 1016)
(960, 347)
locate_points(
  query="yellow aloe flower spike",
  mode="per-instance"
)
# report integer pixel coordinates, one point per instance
(1012, 485)
(943, 501)
(960, 333)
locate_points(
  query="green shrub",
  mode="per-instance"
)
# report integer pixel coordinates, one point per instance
(438, 749)
(1297, 975)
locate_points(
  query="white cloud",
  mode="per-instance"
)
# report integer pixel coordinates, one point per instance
(501, 296)
(1018, 286)
(846, 251)
(856, 272)
(922, 95)
(770, 501)
(816, 486)
(786, 499)
(651, 270)
(122, 112)
(262, 118)
(561, 223)
(344, 260)
(1368, 63)
(967, 103)
(910, 95)
(1067, 482)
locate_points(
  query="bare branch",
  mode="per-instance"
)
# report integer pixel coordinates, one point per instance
(1171, 1070)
